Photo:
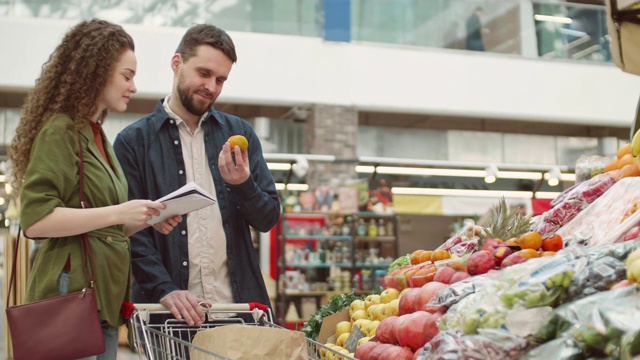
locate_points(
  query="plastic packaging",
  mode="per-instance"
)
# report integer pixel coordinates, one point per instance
(588, 166)
(571, 202)
(489, 344)
(608, 218)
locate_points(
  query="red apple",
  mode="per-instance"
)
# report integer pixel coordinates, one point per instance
(513, 259)
(459, 276)
(431, 328)
(397, 353)
(501, 253)
(408, 301)
(386, 330)
(378, 352)
(429, 292)
(444, 274)
(480, 263)
(411, 330)
(490, 244)
(363, 351)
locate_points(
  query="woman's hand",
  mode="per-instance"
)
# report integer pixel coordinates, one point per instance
(136, 213)
(165, 227)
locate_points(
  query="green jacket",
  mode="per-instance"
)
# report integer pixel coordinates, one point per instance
(51, 181)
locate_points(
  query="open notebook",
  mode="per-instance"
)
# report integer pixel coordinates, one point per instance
(188, 198)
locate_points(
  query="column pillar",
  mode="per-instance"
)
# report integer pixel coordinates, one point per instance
(332, 130)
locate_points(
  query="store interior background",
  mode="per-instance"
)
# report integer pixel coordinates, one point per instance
(366, 83)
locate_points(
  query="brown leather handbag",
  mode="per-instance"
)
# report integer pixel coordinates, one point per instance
(63, 327)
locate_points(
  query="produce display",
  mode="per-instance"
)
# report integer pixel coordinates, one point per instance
(562, 285)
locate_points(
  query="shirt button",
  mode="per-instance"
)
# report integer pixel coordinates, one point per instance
(171, 121)
(176, 142)
(180, 172)
(184, 263)
(183, 232)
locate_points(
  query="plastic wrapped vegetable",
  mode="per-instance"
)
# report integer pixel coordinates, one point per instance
(607, 324)
(543, 287)
(562, 348)
(489, 344)
(594, 276)
(572, 315)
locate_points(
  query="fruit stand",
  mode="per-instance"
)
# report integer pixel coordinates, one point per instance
(561, 285)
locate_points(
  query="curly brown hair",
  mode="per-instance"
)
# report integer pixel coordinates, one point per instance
(71, 83)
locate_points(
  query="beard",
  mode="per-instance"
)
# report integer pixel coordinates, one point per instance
(189, 103)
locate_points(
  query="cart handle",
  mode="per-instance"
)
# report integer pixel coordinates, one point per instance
(214, 307)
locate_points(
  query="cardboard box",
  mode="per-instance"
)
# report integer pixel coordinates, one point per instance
(328, 327)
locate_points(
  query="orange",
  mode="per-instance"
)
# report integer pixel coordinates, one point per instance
(548, 253)
(624, 149)
(553, 243)
(425, 256)
(630, 170)
(415, 257)
(531, 240)
(240, 141)
(626, 159)
(611, 165)
(440, 255)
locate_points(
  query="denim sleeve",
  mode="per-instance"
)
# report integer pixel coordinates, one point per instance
(257, 198)
(147, 267)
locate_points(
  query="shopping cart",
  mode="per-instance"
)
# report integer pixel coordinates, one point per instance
(171, 339)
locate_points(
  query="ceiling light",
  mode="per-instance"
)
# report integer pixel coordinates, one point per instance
(527, 175)
(428, 171)
(279, 166)
(550, 18)
(568, 177)
(547, 195)
(292, 187)
(491, 172)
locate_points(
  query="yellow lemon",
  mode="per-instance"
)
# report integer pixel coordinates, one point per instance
(240, 141)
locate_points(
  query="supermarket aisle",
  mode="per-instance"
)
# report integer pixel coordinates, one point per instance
(124, 353)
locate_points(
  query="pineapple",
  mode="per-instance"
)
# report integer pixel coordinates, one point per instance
(506, 225)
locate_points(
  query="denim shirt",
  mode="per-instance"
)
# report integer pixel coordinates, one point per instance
(151, 156)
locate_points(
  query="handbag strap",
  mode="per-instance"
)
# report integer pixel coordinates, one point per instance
(86, 250)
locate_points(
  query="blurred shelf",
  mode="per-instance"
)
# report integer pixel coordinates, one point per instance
(318, 237)
(375, 238)
(343, 265)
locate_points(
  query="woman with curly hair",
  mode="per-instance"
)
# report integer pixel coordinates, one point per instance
(89, 74)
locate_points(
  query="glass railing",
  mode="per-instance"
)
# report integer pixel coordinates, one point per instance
(550, 30)
(292, 17)
(533, 29)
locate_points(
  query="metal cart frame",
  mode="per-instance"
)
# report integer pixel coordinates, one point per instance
(171, 339)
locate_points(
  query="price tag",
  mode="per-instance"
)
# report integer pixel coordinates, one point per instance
(352, 341)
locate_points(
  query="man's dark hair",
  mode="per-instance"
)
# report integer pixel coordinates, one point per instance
(205, 34)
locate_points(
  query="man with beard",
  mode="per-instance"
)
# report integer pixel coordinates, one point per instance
(210, 258)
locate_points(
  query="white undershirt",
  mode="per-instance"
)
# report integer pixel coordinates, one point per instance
(208, 269)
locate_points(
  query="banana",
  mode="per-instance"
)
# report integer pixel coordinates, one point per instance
(635, 144)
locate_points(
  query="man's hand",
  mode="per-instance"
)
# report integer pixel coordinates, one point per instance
(233, 173)
(165, 227)
(183, 305)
